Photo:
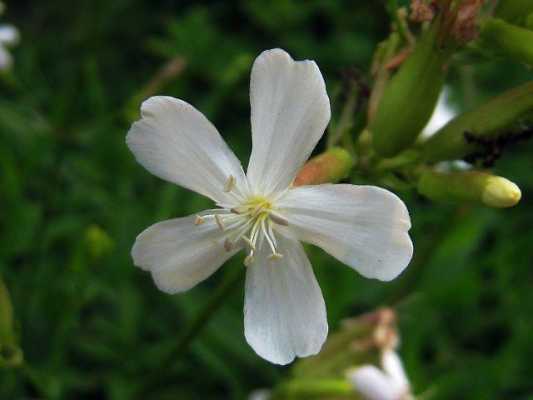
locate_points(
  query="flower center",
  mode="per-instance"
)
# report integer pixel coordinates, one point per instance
(251, 222)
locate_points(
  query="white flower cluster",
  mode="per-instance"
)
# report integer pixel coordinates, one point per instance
(9, 36)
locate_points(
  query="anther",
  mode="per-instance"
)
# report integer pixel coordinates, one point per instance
(275, 257)
(228, 245)
(198, 220)
(220, 222)
(248, 260)
(278, 219)
(230, 184)
(238, 210)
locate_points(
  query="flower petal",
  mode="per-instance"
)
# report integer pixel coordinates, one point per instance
(176, 142)
(372, 383)
(365, 227)
(393, 366)
(179, 253)
(284, 311)
(290, 110)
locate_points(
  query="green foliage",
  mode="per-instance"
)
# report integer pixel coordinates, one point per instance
(73, 199)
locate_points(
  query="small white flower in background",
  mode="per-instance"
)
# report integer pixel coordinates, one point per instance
(387, 383)
(9, 36)
(363, 226)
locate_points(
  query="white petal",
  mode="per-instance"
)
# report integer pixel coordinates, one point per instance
(372, 383)
(284, 311)
(363, 226)
(177, 143)
(9, 35)
(392, 365)
(290, 110)
(179, 253)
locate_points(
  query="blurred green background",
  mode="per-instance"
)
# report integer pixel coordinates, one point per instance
(72, 200)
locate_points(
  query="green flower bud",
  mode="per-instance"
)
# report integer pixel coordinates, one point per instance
(507, 40)
(469, 186)
(410, 97)
(328, 167)
(470, 131)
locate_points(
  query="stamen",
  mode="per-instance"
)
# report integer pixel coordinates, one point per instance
(249, 259)
(228, 245)
(275, 257)
(249, 242)
(220, 222)
(271, 233)
(238, 210)
(230, 184)
(278, 219)
(267, 237)
(198, 220)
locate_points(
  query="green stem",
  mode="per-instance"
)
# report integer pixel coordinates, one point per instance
(407, 158)
(344, 121)
(10, 353)
(315, 389)
(199, 322)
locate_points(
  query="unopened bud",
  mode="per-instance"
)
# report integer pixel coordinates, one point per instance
(469, 186)
(410, 97)
(356, 340)
(500, 192)
(471, 132)
(328, 167)
(508, 40)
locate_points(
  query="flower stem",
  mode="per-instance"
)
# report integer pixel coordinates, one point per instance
(315, 389)
(10, 353)
(232, 278)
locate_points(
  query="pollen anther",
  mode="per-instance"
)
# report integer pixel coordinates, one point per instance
(248, 260)
(220, 222)
(228, 245)
(198, 220)
(230, 184)
(275, 257)
(278, 219)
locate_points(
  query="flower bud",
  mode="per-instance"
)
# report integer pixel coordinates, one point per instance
(410, 97)
(356, 341)
(471, 131)
(507, 39)
(328, 167)
(469, 186)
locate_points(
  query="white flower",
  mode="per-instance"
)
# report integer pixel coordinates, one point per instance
(390, 383)
(9, 36)
(362, 226)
